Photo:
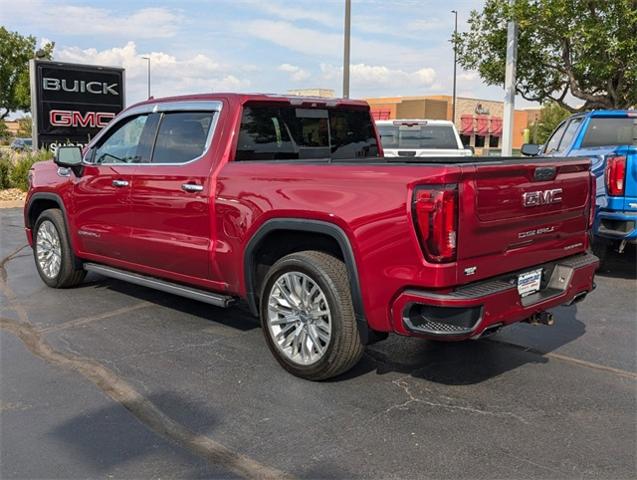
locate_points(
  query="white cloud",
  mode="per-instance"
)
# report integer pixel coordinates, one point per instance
(291, 13)
(151, 22)
(317, 43)
(296, 73)
(365, 76)
(170, 75)
(425, 25)
(469, 76)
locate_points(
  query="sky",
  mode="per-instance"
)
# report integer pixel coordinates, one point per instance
(399, 47)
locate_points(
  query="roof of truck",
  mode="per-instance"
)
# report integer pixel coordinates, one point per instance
(242, 98)
(610, 113)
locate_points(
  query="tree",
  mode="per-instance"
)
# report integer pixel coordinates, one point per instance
(15, 52)
(585, 48)
(4, 130)
(24, 127)
(550, 117)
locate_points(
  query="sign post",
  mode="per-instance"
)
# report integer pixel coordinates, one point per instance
(71, 103)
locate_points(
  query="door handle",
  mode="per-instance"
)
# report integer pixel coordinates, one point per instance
(191, 187)
(120, 183)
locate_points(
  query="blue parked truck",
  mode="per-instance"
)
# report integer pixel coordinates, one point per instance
(609, 138)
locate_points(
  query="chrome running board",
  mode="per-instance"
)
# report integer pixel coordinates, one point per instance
(216, 299)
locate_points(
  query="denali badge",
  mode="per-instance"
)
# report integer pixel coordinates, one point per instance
(537, 231)
(542, 197)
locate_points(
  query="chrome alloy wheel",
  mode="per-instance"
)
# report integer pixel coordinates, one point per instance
(48, 249)
(299, 318)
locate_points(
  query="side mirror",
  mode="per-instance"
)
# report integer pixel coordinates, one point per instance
(530, 149)
(469, 147)
(68, 156)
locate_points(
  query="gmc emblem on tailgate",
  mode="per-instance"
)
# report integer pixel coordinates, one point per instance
(542, 197)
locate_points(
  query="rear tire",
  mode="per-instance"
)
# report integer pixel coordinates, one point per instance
(308, 317)
(52, 251)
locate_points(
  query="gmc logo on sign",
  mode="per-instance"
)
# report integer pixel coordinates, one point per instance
(542, 197)
(70, 118)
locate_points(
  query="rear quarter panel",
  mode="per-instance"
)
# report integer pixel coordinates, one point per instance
(369, 203)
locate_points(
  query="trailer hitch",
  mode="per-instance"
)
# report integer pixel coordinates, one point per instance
(541, 318)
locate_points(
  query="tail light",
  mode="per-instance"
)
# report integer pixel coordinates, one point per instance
(435, 211)
(592, 201)
(615, 175)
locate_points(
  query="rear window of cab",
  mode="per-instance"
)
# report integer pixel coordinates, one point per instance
(287, 132)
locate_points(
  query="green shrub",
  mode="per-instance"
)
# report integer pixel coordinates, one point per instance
(5, 170)
(22, 163)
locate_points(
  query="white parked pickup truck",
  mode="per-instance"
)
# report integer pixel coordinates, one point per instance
(420, 138)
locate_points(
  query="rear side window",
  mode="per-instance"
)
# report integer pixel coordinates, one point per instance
(182, 136)
(610, 131)
(290, 133)
(418, 136)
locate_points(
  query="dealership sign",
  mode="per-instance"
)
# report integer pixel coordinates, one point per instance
(70, 103)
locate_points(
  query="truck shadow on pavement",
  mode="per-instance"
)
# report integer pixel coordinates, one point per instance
(470, 362)
(618, 265)
(238, 316)
(449, 363)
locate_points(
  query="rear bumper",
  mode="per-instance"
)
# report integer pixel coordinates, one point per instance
(470, 310)
(616, 225)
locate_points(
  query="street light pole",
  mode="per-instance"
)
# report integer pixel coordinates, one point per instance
(509, 86)
(346, 45)
(455, 65)
(148, 60)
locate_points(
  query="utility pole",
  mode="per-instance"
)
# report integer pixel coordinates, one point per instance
(148, 82)
(509, 86)
(346, 44)
(455, 65)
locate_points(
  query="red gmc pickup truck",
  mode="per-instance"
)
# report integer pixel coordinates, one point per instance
(289, 204)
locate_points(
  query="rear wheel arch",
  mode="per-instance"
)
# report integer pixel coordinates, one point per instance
(329, 238)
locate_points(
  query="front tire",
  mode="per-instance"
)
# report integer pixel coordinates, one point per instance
(54, 258)
(308, 317)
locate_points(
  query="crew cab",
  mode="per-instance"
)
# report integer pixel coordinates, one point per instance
(420, 138)
(289, 204)
(609, 138)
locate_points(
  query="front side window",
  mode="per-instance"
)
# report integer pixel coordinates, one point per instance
(123, 145)
(554, 141)
(290, 133)
(182, 136)
(611, 131)
(569, 134)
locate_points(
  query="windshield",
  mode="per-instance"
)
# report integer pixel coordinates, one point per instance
(610, 131)
(417, 136)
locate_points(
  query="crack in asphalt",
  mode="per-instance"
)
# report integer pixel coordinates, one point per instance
(123, 393)
(402, 383)
(78, 322)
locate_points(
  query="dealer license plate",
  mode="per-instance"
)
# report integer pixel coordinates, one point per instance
(529, 282)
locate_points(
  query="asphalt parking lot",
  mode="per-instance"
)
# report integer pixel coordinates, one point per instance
(113, 380)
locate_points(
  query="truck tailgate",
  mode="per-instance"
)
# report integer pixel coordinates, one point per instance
(516, 215)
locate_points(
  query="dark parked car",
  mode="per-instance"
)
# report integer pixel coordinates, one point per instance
(21, 144)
